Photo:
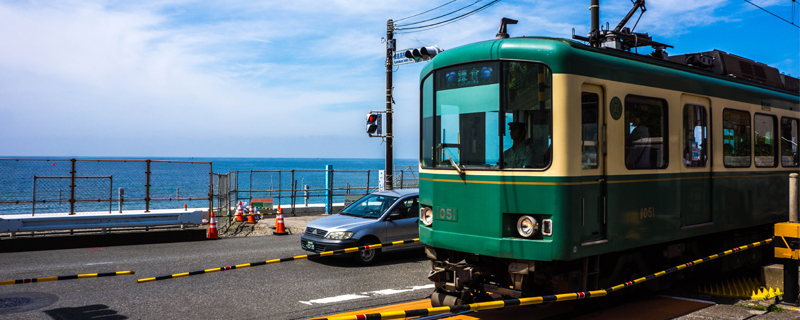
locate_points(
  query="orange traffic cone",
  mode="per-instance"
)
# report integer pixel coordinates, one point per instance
(280, 229)
(240, 213)
(251, 217)
(212, 228)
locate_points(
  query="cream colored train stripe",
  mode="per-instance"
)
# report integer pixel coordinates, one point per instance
(594, 182)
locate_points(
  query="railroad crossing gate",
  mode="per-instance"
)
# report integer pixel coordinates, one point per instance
(787, 240)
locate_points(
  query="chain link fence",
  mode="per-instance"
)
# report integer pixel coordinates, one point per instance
(300, 188)
(31, 186)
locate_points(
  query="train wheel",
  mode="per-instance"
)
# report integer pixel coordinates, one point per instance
(441, 299)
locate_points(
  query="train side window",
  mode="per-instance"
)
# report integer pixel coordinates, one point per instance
(695, 135)
(736, 138)
(645, 133)
(766, 145)
(589, 103)
(789, 140)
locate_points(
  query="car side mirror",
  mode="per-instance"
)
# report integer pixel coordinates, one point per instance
(394, 215)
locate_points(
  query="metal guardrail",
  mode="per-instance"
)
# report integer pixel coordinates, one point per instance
(26, 223)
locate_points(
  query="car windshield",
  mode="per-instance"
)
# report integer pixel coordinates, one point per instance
(371, 206)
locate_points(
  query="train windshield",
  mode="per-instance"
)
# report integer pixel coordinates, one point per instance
(487, 115)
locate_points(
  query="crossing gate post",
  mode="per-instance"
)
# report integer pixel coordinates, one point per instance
(788, 235)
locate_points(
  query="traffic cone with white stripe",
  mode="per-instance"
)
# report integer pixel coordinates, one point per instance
(280, 229)
(212, 228)
(251, 217)
(240, 213)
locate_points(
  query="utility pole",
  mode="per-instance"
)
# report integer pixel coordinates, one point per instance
(390, 47)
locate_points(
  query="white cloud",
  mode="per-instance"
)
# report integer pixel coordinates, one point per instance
(152, 74)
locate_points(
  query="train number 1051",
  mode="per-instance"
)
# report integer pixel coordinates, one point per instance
(649, 212)
(446, 214)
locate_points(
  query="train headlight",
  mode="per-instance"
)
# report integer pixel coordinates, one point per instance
(426, 216)
(527, 226)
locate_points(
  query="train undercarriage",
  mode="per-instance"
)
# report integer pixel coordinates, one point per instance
(464, 278)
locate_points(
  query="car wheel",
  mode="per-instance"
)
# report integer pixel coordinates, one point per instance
(366, 257)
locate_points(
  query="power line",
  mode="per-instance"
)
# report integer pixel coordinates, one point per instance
(437, 26)
(447, 14)
(765, 10)
(421, 13)
(415, 39)
(451, 20)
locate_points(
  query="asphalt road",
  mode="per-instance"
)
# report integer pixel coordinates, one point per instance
(288, 290)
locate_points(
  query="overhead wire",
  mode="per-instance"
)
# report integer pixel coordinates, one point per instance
(444, 15)
(421, 13)
(448, 21)
(415, 39)
(765, 10)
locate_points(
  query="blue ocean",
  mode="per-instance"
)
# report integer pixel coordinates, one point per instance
(45, 185)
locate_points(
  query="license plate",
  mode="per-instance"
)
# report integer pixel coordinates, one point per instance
(309, 245)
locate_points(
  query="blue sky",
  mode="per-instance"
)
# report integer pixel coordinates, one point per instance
(275, 78)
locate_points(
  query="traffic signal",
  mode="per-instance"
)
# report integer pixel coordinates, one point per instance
(423, 54)
(373, 123)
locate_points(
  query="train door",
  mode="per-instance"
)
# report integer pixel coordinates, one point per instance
(695, 186)
(593, 166)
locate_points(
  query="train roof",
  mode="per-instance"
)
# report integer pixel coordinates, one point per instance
(572, 57)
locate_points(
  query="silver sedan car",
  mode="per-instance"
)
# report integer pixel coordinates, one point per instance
(379, 217)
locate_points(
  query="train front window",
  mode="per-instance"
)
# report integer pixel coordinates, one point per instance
(464, 123)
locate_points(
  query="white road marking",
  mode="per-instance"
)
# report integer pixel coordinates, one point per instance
(96, 263)
(335, 299)
(365, 295)
(394, 291)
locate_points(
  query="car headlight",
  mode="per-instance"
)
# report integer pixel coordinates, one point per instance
(339, 235)
(527, 226)
(426, 215)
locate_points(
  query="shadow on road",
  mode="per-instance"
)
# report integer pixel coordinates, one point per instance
(95, 311)
(384, 259)
(99, 240)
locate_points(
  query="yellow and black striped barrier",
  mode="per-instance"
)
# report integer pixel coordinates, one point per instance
(77, 276)
(273, 261)
(541, 299)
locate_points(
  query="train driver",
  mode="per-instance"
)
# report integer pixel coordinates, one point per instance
(520, 155)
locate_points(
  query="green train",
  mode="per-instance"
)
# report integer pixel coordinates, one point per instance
(551, 166)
